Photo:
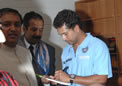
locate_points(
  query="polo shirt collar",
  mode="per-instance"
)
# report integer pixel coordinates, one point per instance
(85, 42)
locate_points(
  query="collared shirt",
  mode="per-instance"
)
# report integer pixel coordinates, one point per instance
(91, 57)
(28, 45)
(42, 60)
(17, 62)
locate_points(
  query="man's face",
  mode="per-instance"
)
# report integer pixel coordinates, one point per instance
(11, 27)
(68, 35)
(34, 31)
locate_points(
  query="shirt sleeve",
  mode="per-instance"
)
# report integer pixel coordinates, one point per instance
(102, 62)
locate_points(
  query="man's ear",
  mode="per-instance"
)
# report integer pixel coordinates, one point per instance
(77, 28)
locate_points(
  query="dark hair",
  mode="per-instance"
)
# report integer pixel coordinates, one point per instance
(10, 10)
(31, 15)
(67, 17)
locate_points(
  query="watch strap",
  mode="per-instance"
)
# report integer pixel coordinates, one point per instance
(71, 81)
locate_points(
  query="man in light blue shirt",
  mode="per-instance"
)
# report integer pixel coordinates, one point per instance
(86, 58)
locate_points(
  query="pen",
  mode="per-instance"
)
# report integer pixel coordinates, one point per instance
(38, 75)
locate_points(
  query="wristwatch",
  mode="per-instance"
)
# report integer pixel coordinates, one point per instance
(72, 77)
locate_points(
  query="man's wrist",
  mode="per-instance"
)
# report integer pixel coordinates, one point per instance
(72, 77)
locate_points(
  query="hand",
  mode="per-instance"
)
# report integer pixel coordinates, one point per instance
(62, 76)
(52, 77)
(44, 80)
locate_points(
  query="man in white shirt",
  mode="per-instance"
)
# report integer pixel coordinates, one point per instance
(13, 58)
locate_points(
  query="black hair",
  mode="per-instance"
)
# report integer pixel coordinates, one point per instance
(67, 17)
(10, 10)
(31, 15)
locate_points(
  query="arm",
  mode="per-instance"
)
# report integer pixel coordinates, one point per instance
(93, 80)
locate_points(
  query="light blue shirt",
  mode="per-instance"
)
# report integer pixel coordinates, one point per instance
(91, 57)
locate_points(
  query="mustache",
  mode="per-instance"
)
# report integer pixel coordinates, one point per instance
(12, 33)
(36, 37)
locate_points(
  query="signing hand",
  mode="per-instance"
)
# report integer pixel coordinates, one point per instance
(62, 76)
